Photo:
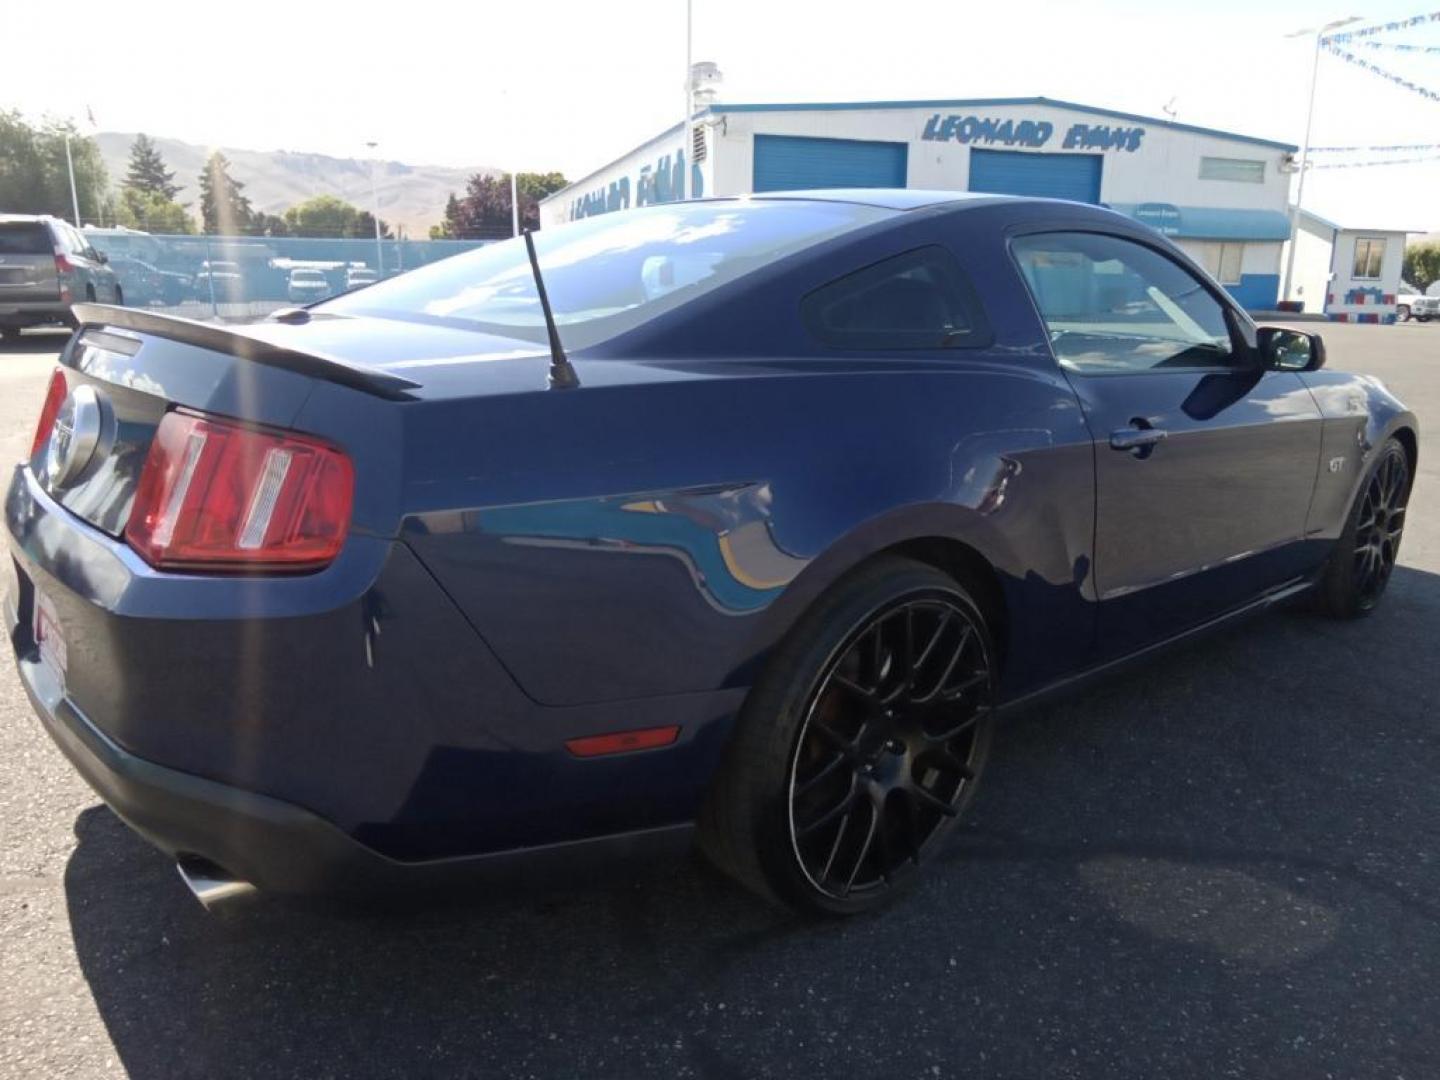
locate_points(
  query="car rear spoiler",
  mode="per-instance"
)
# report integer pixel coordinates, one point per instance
(235, 342)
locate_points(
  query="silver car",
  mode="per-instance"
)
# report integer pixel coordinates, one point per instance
(45, 266)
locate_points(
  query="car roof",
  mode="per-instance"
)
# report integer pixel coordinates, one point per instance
(42, 218)
(885, 198)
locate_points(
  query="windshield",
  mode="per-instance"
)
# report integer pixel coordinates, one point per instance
(607, 274)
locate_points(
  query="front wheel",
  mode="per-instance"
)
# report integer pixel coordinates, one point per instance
(861, 744)
(1364, 556)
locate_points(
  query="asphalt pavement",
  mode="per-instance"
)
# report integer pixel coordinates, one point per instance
(1226, 863)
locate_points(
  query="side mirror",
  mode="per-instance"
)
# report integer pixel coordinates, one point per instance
(1283, 349)
(102, 256)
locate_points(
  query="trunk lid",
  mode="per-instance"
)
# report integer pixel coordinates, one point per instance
(141, 364)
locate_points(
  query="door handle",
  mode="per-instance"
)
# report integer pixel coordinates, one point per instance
(1140, 438)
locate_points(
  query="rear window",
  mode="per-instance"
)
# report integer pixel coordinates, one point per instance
(607, 274)
(25, 238)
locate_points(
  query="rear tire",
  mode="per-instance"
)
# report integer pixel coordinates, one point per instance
(119, 297)
(1402, 313)
(878, 702)
(1364, 557)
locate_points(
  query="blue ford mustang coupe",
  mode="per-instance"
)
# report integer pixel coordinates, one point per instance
(740, 520)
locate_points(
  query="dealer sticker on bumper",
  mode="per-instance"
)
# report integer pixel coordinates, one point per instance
(47, 635)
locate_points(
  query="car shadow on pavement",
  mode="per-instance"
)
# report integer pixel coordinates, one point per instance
(1224, 862)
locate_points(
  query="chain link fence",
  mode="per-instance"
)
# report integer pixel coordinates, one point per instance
(243, 277)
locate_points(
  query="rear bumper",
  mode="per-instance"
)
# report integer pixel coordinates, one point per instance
(33, 312)
(283, 848)
(335, 731)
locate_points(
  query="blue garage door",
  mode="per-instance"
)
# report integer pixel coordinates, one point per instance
(1052, 176)
(790, 163)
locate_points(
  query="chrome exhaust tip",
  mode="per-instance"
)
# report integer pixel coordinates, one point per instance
(211, 885)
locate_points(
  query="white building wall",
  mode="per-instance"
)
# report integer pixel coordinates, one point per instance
(645, 175)
(1310, 282)
(1352, 299)
(1164, 166)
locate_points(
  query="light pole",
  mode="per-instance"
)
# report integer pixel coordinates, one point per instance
(1305, 146)
(686, 170)
(375, 211)
(514, 206)
(70, 165)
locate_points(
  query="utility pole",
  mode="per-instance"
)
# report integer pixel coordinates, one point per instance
(1305, 146)
(688, 148)
(70, 165)
(375, 211)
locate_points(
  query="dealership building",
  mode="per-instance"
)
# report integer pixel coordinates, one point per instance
(1221, 196)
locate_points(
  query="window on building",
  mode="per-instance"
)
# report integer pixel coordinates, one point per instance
(1224, 168)
(918, 300)
(1223, 262)
(1369, 256)
(1113, 306)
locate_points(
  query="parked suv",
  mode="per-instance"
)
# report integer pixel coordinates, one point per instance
(45, 266)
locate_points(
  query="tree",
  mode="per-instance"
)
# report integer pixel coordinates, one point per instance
(484, 212)
(365, 227)
(224, 210)
(1422, 265)
(147, 171)
(151, 212)
(34, 178)
(446, 229)
(326, 215)
(263, 224)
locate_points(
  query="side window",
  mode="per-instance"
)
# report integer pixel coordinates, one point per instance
(918, 300)
(1113, 305)
(74, 242)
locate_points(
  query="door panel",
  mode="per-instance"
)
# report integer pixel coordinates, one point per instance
(1207, 518)
(1204, 461)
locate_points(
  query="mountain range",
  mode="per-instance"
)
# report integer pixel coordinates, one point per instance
(411, 196)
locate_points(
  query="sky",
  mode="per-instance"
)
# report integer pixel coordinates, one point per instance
(572, 84)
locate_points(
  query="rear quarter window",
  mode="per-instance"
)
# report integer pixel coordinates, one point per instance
(918, 300)
(25, 238)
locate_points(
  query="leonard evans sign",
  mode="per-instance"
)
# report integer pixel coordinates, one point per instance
(1034, 134)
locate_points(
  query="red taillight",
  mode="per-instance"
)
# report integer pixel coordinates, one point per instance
(214, 495)
(62, 264)
(54, 398)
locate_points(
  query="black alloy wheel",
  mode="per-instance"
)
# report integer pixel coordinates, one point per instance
(1380, 526)
(890, 747)
(1364, 557)
(860, 745)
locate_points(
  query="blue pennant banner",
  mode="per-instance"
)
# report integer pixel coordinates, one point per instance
(1399, 48)
(1382, 28)
(1371, 164)
(1373, 149)
(1375, 69)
